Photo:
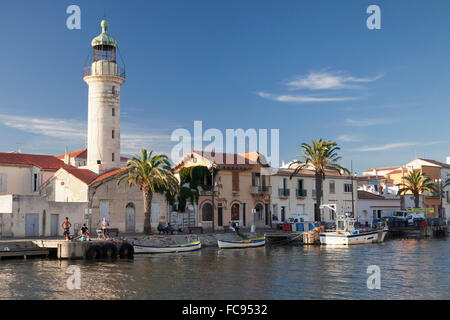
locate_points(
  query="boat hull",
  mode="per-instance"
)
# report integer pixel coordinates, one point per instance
(333, 238)
(258, 242)
(139, 248)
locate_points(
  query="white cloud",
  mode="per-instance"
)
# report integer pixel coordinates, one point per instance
(367, 122)
(398, 145)
(348, 138)
(302, 98)
(74, 131)
(324, 80)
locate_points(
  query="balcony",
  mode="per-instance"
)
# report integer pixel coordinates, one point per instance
(258, 190)
(283, 193)
(314, 193)
(206, 190)
(301, 193)
(108, 70)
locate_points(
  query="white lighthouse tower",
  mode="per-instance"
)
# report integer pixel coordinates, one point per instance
(104, 78)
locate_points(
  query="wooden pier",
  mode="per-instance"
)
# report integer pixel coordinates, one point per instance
(21, 249)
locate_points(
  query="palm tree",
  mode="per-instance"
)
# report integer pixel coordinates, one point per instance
(153, 175)
(321, 155)
(417, 183)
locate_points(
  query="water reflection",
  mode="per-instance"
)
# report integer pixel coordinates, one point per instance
(410, 269)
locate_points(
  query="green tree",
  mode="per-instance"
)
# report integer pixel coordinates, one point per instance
(152, 174)
(417, 183)
(320, 155)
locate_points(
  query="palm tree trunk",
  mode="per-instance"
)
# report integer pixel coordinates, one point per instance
(416, 200)
(147, 211)
(318, 197)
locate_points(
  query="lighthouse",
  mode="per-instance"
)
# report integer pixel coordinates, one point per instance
(104, 78)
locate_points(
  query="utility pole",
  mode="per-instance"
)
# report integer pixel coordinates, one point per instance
(353, 189)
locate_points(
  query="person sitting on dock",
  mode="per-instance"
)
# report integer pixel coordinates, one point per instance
(85, 232)
(105, 225)
(170, 228)
(66, 226)
(235, 227)
(162, 229)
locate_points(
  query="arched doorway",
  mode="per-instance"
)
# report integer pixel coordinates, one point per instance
(207, 212)
(130, 218)
(235, 216)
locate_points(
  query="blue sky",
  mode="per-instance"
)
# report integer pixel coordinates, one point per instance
(308, 68)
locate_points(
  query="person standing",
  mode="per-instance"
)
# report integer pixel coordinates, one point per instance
(66, 226)
(105, 225)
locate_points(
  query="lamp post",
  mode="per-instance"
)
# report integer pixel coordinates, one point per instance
(439, 183)
(212, 167)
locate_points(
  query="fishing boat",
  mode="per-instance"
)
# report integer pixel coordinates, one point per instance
(347, 234)
(141, 248)
(257, 242)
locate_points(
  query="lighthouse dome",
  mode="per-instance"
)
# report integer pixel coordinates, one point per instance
(104, 39)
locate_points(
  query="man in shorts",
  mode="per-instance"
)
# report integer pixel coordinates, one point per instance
(66, 226)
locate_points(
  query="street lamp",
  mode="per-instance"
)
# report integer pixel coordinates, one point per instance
(439, 184)
(211, 167)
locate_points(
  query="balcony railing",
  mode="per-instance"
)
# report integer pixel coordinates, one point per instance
(314, 193)
(284, 193)
(301, 192)
(120, 72)
(261, 189)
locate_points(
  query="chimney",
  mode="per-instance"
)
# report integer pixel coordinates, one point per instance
(447, 160)
(283, 163)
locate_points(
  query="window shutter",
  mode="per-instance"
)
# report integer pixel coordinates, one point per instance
(235, 180)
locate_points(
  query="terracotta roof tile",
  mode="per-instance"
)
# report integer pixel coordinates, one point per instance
(38, 160)
(82, 154)
(107, 175)
(84, 175)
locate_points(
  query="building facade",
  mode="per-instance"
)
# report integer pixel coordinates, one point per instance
(241, 192)
(297, 195)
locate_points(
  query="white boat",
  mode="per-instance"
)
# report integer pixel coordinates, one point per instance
(257, 242)
(141, 248)
(347, 234)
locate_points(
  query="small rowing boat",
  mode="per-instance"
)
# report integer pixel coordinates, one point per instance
(141, 248)
(257, 242)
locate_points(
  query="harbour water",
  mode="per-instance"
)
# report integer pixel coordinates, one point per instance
(410, 269)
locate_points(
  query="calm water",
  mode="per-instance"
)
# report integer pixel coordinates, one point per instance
(410, 269)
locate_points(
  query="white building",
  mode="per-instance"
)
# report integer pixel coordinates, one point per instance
(298, 195)
(372, 205)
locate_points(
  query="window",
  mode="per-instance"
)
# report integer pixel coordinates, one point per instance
(235, 212)
(112, 157)
(113, 90)
(35, 182)
(99, 161)
(207, 212)
(332, 187)
(300, 184)
(235, 181)
(348, 187)
(112, 134)
(113, 112)
(3, 182)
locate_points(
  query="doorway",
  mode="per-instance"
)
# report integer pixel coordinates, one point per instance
(54, 224)
(130, 218)
(32, 225)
